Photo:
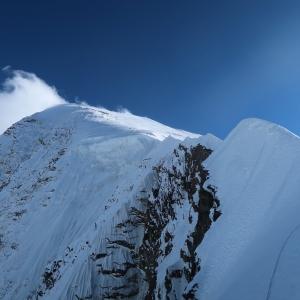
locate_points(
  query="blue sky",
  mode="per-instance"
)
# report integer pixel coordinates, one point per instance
(201, 66)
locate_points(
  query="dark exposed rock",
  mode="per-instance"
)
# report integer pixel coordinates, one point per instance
(190, 295)
(171, 185)
(51, 276)
(30, 120)
(121, 243)
(3, 185)
(84, 298)
(97, 256)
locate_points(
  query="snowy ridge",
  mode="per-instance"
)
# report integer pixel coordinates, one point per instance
(104, 205)
(256, 170)
(70, 177)
(127, 121)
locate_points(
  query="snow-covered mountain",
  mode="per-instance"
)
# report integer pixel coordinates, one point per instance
(97, 204)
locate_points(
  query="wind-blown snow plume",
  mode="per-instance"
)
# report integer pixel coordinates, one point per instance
(22, 95)
(123, 110)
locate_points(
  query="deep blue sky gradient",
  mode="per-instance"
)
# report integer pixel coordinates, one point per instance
(201, 66)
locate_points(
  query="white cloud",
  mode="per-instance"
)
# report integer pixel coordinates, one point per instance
(22, 95)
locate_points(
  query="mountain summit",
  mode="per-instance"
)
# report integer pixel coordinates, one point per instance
(97, 204)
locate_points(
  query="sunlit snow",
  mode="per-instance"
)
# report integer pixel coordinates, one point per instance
(70, 174)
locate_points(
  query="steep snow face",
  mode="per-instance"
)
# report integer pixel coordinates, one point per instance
(77, 188)
(103, 205)
(252, 251)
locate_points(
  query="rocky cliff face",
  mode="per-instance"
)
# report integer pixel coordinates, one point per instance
(178, 184)
(172, 196)
(94, 209)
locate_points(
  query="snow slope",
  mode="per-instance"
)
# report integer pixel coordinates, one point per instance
(256, 172)
(70, 177)
(104, 205)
